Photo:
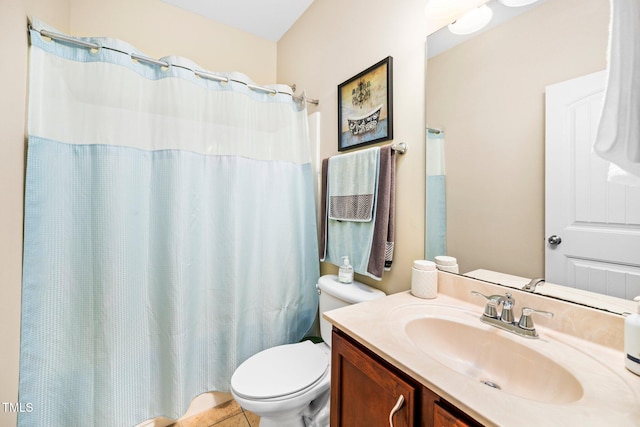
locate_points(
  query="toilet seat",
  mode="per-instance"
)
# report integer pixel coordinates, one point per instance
(280, 371)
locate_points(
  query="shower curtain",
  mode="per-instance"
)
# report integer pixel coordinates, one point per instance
(170, 233)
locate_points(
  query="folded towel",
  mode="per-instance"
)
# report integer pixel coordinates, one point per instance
(368, 244)
(352, 185)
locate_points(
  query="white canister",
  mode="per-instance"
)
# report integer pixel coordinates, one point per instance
(424, 279)
(447, 263)
(632, 340)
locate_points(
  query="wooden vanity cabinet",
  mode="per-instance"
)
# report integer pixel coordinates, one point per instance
(365, 390)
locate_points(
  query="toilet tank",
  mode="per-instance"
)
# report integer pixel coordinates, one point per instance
(334, 294)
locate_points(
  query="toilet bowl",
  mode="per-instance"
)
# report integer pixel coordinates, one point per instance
(279, 383)
(286, 384)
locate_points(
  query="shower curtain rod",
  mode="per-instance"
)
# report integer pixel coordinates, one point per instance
(200, 73)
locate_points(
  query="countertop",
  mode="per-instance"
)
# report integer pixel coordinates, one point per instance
(611, 392)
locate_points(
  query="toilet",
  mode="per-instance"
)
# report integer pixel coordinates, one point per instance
(288, 385)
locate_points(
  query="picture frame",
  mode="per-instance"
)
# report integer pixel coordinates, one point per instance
(365, 107)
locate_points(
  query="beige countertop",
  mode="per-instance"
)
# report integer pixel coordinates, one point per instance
(586, 342)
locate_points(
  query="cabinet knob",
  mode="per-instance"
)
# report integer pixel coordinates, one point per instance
(395, 409)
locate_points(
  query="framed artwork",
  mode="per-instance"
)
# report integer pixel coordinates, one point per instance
(365, 107)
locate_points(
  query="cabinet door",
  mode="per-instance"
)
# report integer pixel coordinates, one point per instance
(365, 392)
(444, 418)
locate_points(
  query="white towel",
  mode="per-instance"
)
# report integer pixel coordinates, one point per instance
(618, 135)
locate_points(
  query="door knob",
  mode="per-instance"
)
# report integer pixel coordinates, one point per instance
(554, 240)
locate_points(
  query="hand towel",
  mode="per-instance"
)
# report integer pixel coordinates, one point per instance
(352, 185)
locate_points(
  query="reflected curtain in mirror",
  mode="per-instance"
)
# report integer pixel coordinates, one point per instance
(436, 209)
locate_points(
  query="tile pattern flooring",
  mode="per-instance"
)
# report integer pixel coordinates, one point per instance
(228, 414)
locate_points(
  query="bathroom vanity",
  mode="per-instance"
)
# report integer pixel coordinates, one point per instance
(368, 391)
(434, 363)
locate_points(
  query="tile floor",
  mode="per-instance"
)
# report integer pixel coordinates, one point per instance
(228, 414)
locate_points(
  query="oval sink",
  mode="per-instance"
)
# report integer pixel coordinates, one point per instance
(498, 361)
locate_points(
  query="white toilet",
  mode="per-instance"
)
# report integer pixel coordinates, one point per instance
(288, 384)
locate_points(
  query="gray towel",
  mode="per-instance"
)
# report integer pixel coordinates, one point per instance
(323, 209)
(381, 256)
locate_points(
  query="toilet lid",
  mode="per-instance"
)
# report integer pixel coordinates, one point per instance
(279, 371)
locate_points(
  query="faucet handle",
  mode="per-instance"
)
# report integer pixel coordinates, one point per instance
(490, 310)
(526, 322)
(495, 298)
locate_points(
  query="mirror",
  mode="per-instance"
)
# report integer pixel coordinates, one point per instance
(487, 95)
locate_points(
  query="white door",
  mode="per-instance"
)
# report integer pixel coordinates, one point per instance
(592, 226)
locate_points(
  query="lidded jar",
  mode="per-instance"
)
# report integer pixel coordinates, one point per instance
(424, 279)
(447, 263)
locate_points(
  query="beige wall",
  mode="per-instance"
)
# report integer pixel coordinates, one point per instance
(335, 40)
(159, 29)
(488, 95)
(153, 27)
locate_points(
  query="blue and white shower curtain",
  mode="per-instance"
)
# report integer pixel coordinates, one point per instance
(170, 233)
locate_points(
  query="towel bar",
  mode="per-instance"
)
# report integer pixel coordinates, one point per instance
(400, 148)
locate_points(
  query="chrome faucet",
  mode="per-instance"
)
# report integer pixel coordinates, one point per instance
(531, 286)
(505, 320)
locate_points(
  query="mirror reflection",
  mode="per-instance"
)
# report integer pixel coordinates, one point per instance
(487, 95)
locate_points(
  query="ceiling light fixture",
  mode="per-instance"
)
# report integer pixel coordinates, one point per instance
(472, 21)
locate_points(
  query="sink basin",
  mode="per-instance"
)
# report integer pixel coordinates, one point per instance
(494, 358)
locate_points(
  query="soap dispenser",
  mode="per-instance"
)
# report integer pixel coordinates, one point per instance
(345, 273)
(632, 340)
